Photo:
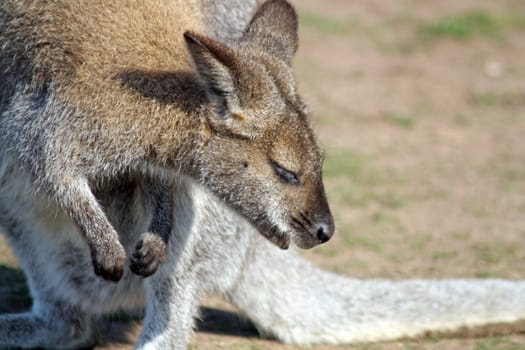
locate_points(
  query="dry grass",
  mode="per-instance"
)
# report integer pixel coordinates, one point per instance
(424, 137)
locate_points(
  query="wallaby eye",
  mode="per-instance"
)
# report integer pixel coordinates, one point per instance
(220, 92)
(285, 174)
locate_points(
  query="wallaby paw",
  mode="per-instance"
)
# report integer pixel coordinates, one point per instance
(109, 261)
(149, 253)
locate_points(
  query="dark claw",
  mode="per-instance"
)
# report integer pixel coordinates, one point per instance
(109, 266)
(148, 255)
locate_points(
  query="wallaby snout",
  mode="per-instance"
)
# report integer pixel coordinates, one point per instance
(325, 231)
(324, 226)
(309, 234)
(313, 226)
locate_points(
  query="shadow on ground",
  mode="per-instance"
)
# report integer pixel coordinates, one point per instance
(216, 321)
(14, 293)
(121, 328)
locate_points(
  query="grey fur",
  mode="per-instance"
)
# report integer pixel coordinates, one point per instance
(95, 90)
(150, 250)
(229, 18)
(213, 250)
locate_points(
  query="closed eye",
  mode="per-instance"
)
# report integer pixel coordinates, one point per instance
(286, 175)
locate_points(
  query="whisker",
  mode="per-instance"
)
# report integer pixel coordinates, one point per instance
(295, 226)
(306, 219)
(298, 223)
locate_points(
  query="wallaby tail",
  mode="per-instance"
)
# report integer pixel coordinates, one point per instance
(292, 300)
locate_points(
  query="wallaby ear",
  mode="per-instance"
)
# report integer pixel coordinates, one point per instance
(215, 63)
(274, 27)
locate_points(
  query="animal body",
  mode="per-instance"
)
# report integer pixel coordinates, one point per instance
(215, 250)
(95, 90)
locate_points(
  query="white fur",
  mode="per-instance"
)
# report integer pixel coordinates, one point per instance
(213, 250)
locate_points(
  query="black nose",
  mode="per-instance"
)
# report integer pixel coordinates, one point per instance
(324, 232)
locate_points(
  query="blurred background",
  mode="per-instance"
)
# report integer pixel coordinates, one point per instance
(420, 106)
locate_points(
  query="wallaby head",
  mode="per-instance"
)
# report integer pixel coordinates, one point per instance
(260, 153)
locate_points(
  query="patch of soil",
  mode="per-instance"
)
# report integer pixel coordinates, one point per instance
(442, 131)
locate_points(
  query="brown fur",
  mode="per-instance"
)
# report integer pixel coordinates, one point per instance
(91, 90)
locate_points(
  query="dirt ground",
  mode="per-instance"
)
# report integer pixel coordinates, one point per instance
(420, 106)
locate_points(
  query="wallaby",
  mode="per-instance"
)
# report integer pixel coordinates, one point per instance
(215, 251)
(150, 250)
(94, 90)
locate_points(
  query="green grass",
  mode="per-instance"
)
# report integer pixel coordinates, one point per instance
(398, 119)
(475, 23)
(514, 174)
(419, 242)
(487, 99)
(351, 195)
(411, 346)
(443, 255)
(383, 218)
(245, 347)
(371, 243)
(310, 72)
(240, 346)
(390, 200)
(345, 163)
(356, 180)
(498, 344)
(323, 24)
(499, 99)
(461, 235)
(485, 274)
(359, 167)
(362, 195)
(327, 251)
(463, 119)
(495, 254)
(463, 26)
(369, 231)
